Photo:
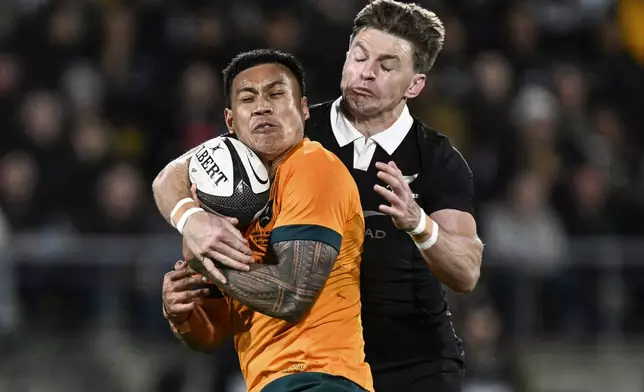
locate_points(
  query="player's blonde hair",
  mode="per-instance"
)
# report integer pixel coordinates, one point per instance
(421, 27)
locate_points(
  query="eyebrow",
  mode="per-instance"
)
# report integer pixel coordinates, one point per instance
(267, 87)
(382, 57)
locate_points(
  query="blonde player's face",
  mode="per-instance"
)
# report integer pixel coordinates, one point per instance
(379, 73)
(267, 110)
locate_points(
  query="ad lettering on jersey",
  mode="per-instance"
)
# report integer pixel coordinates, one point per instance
(209, 165)
(375, 234)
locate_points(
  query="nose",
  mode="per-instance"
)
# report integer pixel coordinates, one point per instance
(263, 107)
(368, 71)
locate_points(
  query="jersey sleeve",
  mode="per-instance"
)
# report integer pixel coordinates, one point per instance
(316, 195)
(451, 183)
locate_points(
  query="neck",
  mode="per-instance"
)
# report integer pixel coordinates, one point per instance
(274, 164)
(372, 125)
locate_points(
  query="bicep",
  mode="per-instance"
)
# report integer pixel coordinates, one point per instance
(306, 265)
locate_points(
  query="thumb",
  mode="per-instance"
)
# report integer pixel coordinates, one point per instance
(233, 221)
(193, 191)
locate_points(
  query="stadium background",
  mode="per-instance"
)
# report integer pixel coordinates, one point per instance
(544, 98)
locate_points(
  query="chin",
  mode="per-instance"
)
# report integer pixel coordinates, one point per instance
(363, 106)
(270, 153)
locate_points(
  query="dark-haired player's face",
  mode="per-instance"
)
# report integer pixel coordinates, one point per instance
(379, 73)
(267, 110)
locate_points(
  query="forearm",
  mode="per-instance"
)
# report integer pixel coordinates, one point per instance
(200, 332)
(289, 287)
(260, 289)
(172, 184)
(455, 259)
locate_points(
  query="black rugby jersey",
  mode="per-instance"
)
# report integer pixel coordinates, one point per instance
(405, 316)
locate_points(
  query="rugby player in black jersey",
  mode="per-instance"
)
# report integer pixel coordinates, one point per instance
(420, 231)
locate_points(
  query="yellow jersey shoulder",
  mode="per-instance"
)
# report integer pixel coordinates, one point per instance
(312, 156)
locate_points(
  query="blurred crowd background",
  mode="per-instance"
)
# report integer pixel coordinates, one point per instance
(544, 98)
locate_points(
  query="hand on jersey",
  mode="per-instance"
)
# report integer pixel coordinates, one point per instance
(212, 238)
(403, 210)
(179, 293)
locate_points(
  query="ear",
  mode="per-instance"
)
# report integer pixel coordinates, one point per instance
(304, 102)
(228, 115)
(416, 86)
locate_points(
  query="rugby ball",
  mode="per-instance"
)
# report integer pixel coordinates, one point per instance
(231, 180)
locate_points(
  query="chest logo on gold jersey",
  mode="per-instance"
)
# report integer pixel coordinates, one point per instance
(266, 216)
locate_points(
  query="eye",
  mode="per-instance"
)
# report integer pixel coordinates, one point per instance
(277, 94)
(360, 56)
(386, 69)
(247, 99)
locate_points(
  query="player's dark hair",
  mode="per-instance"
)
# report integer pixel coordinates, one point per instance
(419, 26)
(246, 60)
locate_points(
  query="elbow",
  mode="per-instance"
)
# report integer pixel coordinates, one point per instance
(469, 278)
(203, 343)
(292, 317)
(158, 181)
(294, 312)
(200, 347)
(468, 283)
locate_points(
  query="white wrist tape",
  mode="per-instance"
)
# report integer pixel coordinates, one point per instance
(421, 224)
(180, 204)
(431, 241)
(182, 221)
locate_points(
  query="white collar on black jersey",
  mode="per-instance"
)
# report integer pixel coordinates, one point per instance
(388, 140)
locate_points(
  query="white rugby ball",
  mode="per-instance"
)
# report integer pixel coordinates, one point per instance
(231, 180)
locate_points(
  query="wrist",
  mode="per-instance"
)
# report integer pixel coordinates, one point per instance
(421, 226)
(176, 319)
(184, 209)
(428, 237)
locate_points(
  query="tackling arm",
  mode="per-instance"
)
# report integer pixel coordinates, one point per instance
(172, 184)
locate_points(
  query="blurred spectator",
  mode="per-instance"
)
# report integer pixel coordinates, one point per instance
(84, 88)
(489, 368)
(525, 229)
(19, 180)
(523, 36)
(281, 31)
(201, 110)
(119, 208)
(494, 154)
(587, 204)
(120, 35)
(525, 234)
(536, 112)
